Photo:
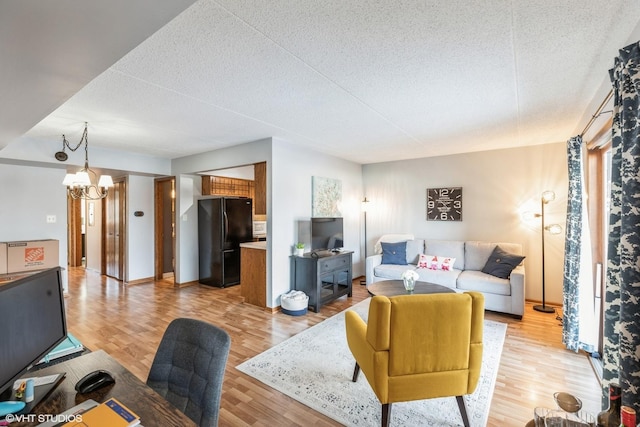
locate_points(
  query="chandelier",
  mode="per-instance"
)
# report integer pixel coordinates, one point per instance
(84, 184)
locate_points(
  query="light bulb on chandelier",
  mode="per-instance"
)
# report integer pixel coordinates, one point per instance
(84, 184)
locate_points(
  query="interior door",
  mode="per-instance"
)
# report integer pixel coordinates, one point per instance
(165, 238)
(74, 232)
(114, 231)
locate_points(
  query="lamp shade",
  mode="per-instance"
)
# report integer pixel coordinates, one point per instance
(69, 179)
(105, 181)
(82, 178)
(548, 196)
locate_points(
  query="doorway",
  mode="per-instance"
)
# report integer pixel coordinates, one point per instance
(165, 228)
(114, 230)
(599, 191)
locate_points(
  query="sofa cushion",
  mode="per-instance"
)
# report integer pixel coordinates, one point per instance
(414, 249)
(439, 277)
(501, 263)
(446, 248)
(473, 280)
(390, 238)
(476, 254)
(394, 253)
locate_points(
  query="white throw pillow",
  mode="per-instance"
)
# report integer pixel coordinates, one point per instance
(434, 262)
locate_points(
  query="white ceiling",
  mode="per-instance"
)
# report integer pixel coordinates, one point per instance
(366, 80)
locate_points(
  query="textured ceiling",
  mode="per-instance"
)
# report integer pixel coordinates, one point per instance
(365, 80)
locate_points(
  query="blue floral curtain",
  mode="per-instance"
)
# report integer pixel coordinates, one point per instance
(622, 296)
(578, 319)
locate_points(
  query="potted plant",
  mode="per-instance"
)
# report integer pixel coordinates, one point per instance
(299, 249)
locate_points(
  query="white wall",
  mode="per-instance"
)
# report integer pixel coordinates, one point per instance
(291, 173)
(496, 186)
(28, 195)
(140, 248)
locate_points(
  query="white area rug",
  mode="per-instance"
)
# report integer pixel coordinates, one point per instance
(315, 368)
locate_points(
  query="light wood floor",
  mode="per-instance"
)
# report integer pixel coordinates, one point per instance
(128, 321)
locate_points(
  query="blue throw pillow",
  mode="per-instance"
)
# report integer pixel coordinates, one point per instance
(394, 253)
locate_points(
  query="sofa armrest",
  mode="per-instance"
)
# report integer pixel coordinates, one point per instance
(372, 262)
(517, 281)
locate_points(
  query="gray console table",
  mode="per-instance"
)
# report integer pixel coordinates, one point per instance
(324, 276)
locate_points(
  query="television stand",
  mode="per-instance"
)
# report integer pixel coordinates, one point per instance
(323, 275)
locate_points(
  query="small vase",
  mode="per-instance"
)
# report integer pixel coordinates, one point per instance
(300, 252)
(409, 284)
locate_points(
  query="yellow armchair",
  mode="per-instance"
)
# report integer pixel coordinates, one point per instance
(417, 347)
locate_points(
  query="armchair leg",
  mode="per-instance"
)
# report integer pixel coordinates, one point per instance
(463, 410)
(386, 414)
(356, 372)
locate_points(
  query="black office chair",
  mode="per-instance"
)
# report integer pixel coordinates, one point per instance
(188, 368)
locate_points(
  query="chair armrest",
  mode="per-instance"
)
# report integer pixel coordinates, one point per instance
(356, 330)
(372, 262)
(517, 281)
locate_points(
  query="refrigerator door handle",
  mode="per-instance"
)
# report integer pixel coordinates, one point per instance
(226, 226)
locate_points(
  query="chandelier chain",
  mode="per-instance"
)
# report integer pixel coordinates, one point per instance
(84, 139)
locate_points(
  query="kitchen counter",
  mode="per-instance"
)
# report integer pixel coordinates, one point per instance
(254, 245)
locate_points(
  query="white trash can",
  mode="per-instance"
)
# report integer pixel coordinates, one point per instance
(294, 303)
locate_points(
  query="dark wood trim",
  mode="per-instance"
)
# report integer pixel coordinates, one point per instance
(159, 231)
(74, 209)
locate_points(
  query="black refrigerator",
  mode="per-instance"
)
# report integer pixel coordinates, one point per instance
(223, 223)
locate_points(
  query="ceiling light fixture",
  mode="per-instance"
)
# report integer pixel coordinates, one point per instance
(82, 184)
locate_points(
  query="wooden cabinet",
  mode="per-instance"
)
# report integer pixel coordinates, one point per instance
(260, 180)
(322, 278)
(223, 186)
(253, 275)
(257, 189)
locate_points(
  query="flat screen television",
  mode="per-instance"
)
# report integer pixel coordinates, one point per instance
(32, 323)
(326, 233)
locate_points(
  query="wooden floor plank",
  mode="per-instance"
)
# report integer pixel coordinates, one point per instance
(128, 322)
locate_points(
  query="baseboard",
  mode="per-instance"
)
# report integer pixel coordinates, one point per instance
(140, 281)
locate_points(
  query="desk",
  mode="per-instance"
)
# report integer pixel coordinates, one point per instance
(392, 288)
(152, 408)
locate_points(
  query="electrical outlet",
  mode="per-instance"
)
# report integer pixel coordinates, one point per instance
(51, 219)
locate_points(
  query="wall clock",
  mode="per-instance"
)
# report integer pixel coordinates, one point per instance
(444, 204)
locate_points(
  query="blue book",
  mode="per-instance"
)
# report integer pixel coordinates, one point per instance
(69, 346)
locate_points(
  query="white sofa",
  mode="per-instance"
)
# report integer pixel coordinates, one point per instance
(502, 295)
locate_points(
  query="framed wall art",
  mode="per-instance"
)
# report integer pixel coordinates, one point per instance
(327, 197)
(444, 204)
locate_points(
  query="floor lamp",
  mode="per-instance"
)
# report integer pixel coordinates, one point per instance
(365, 203)
(547, 197)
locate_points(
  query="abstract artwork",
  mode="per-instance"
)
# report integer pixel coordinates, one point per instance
(327, 197)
